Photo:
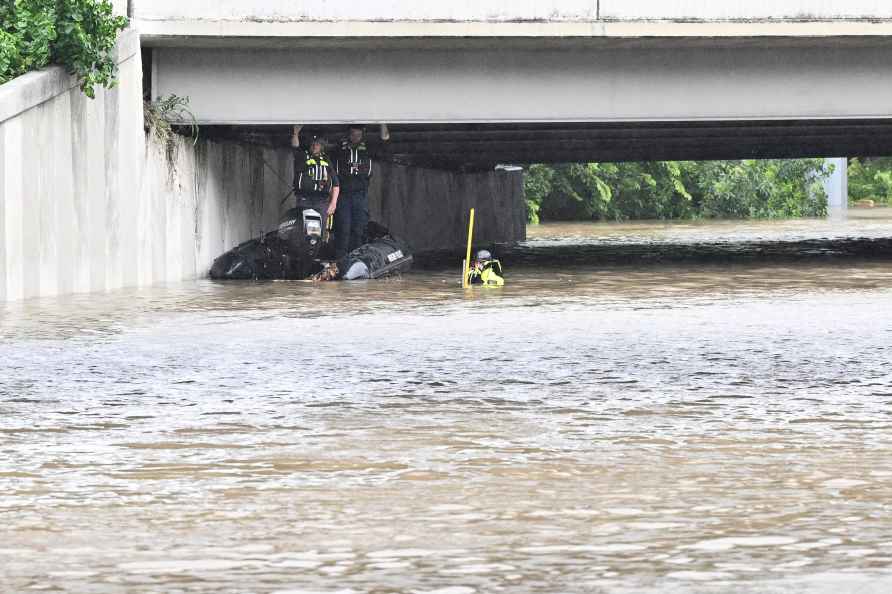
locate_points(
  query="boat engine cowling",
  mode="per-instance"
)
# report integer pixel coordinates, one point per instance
(303, 230)
(312, 227)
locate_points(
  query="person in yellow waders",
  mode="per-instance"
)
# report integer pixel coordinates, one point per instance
(486, 271)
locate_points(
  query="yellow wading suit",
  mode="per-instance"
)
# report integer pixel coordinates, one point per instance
(488, 274)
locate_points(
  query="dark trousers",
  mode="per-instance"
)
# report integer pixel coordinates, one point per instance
(351, 220)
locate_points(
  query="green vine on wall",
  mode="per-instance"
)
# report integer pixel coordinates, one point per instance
(163, 120)
(79, 35)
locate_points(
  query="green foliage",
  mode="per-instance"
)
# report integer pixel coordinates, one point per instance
(871, 179)
(77, 34)
(27, 32)
(676, 190)
(161, 120)
(763, 189)
(537, 187)
(87, 33)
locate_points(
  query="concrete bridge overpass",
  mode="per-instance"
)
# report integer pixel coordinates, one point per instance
(472, 83)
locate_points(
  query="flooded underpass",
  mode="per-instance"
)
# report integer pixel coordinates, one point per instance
(629, 414)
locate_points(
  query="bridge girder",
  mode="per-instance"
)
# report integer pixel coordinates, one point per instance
(469, 104)
(482, 146)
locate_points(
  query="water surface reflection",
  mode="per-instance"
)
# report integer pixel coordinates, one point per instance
(683, 427)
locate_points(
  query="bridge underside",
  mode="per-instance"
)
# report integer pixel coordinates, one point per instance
(473, 103)
(482, 146)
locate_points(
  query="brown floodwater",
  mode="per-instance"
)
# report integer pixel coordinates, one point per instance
(660, 423)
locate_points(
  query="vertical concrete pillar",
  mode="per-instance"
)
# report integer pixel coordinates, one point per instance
(837, 187)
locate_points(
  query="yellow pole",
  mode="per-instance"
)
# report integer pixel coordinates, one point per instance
(464, 279)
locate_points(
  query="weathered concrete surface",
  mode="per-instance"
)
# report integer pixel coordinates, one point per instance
(550, 84)
(410, 10)
(223, 193)
(744, 9)
(209, 198)
(220, 33)
(429, 209)
(28, 90)
(238, 23)
(507, 10)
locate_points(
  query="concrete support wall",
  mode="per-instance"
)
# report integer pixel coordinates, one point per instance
(221, 194)
(429, 209)
(68, 203)
(200, 201)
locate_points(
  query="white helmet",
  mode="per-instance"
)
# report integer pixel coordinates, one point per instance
(484, 255)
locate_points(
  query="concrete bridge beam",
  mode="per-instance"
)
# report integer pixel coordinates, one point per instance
(483, 83)
(508, 11)
(837, 187)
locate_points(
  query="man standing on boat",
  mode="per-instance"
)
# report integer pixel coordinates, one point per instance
(354, 168)
(316, 183)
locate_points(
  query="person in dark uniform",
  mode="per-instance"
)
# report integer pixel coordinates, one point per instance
(316, 183)
(354, 169)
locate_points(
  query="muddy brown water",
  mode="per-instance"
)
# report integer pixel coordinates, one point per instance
(665, 424)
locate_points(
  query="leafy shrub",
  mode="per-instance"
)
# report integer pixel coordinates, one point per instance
(762, 189)
(871, 179)
(27, 32)
(537, 187)
(676, 190)
(77, 34)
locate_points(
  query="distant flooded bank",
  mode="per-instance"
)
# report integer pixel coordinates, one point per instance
(855, 223)
(864, 234)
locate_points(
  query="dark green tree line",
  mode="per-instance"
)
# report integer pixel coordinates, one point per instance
(871, 179)
(676, 190)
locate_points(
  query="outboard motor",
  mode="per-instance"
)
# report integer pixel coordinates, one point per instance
(313, 231)
(303, 229)
(289, 252)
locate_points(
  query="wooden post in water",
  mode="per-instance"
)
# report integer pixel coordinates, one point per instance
(466, 268)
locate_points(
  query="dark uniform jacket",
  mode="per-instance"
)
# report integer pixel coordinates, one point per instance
(353, 166)
(314, 176)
